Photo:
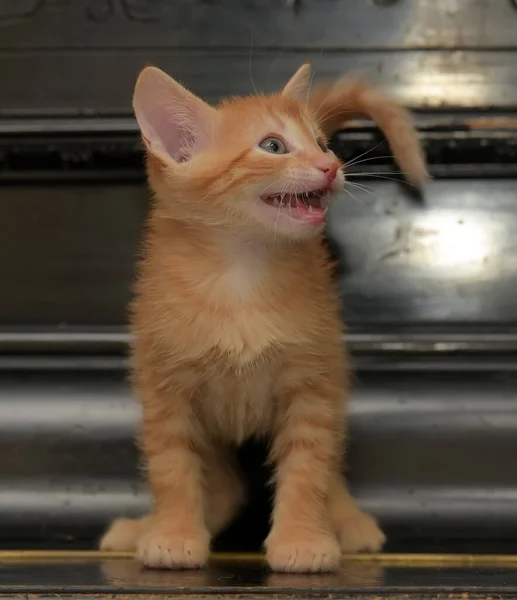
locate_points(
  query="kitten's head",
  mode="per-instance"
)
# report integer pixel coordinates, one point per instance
(258, 165)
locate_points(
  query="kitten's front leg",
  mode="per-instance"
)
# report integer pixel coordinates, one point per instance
(177, 537)
(305, 451)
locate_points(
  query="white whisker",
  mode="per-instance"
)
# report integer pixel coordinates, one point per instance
(354, 197)
(376, 176)
(252, 81)
(364, 189)
(332, 112)
(356, 159)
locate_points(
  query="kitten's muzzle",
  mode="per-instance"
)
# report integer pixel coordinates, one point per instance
(308, 207)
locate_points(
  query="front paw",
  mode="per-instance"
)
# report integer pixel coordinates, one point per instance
(166, 550)
(307, 553)
(359, 532)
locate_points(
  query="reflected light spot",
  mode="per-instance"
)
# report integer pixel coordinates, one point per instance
(449, 88)
(452, 243)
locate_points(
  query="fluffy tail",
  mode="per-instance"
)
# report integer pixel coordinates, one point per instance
(348, 99)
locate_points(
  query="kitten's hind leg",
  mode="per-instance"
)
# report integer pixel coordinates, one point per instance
(225, 495)
(225, 492)
(356, 531)
(123, 535)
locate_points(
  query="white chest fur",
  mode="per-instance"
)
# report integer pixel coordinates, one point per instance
(246, 322)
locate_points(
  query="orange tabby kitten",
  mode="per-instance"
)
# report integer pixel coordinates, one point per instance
(236, 321)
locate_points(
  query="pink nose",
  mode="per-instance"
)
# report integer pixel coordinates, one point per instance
(330, 169)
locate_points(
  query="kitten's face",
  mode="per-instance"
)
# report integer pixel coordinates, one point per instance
(275, 172)
(259, 165)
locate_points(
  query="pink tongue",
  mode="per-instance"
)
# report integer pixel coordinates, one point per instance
(316, 215)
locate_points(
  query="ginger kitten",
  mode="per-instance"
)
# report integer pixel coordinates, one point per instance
(236, 322)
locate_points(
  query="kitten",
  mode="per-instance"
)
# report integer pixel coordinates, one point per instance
(236, 321)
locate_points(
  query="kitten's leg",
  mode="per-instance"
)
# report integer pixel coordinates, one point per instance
(225, 495)
(305, 451)
(123, 534)
(177, 536)
(225, 492)
(356, 531)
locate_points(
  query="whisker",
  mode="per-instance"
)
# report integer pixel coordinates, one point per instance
(365, 189)
(376, 176)
(367, 173)
(369, 159)
(332, 106)
(356, 159)
(360, 201)
(305, 193)
(332, 112)
(252, 81)
(278, 211)
(273, 66)
(313, 72)
(271, 185)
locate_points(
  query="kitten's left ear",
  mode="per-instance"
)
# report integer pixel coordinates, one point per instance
(174, 123)
(298, 86)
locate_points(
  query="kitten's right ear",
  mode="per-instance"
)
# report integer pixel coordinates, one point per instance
(299, 85)
(174, 123)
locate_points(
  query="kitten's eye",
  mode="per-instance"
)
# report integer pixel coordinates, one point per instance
(273, 145)
(322, 146)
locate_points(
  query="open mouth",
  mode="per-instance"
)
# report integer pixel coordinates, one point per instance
(308, 206)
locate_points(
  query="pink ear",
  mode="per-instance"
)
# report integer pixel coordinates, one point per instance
(299, 85)
(174, 123)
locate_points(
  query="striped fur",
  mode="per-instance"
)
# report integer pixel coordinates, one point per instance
(238, 333)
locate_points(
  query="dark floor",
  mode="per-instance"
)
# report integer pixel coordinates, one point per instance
(390, 576)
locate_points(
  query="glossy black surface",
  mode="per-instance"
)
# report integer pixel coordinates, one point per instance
(100, 84)
(110, 150)
(430, 455)
(447, 258)
(145, 24)
(250, 577)
(81, 58)
(428, 281)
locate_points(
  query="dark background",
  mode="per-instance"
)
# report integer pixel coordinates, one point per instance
(429, 280)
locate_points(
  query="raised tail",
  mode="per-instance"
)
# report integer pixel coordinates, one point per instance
(348, 99)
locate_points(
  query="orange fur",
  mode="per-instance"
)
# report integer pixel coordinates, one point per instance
(347, 99)
(237, 332)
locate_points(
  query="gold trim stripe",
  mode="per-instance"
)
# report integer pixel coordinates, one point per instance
(388, 560)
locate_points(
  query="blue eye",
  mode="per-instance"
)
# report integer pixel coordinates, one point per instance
(273, 145)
